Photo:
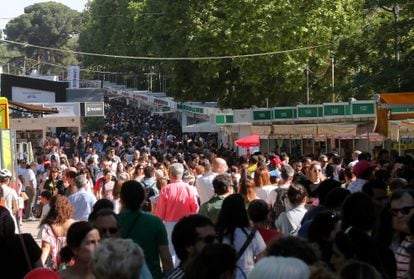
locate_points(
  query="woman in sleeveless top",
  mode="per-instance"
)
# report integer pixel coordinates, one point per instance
(53, 229)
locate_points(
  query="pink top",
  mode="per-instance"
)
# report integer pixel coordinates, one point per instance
(55, 243)
(176, 200)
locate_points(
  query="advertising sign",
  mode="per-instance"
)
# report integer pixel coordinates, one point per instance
(4, 113)
(94, 109)
(73, 76)
(7, 159)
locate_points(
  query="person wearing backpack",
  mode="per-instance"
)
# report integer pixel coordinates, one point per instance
(151, 189)
(277, 199)
(289, 222)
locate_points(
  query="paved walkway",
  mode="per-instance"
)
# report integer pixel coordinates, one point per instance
(32, 228)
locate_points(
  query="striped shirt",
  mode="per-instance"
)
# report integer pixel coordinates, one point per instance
(403, 258)
(177, 273)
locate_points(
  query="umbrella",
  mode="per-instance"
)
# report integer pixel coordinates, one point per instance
(249, 141)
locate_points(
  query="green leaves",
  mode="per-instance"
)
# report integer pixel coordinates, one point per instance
(359, 35)
(47, 24)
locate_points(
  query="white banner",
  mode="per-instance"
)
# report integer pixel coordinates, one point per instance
(30, 95)
(73, 76)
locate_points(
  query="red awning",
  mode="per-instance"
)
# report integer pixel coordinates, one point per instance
(388, 101)
(400, 99)
(249, 141)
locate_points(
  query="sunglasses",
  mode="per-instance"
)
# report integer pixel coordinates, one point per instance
(108, 230)
(403, 210)
(208, 239)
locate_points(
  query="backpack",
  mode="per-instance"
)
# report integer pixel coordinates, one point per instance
(149, 192)
(280, 205)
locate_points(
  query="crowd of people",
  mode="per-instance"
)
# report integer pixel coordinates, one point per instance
(140, 198)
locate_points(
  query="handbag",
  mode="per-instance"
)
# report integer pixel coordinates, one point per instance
(24, 196)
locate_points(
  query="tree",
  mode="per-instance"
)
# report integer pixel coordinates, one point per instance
(358, 36)
(48, 24)
(11, 60)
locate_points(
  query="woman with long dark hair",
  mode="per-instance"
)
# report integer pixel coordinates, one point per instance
(82, 239)
(233, 228)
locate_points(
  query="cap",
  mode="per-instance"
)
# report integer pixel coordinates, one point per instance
(276, 161)
(362, 167)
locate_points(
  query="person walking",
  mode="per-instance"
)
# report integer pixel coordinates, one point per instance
(176, 200)
(145, 229)
(53, 230)
(30, 187)
(10, 197)
(82, 239)
(233, 228)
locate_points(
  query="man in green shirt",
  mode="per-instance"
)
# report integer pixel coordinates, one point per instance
(223, 187)
(144, 228)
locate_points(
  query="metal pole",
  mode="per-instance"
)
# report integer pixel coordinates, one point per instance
(353, 144)
(24, 66)
(159, 79)
(396, 12)
(151, 82)
(369, 144)
(399, 142)
(301, 145)
(313, 146)
(333, 78)
(307, 85)
(339, 146)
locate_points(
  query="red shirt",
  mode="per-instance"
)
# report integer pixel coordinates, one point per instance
(176, 200)
(268, 235)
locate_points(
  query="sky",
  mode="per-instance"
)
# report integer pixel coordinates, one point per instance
(14, 8)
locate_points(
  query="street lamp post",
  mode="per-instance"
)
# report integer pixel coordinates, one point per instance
(333, 78)
(396, 13)
(307, 85)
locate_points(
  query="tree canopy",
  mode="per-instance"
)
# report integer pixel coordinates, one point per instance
(48, 24)
(272, 52)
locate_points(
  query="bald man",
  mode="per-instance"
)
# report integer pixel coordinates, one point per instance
(204, 184)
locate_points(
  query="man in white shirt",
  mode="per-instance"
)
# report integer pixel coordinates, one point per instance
(30, 187)
(81, 200)
(204, 184)
(9, 195)
(92, 155)
(355, 155)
